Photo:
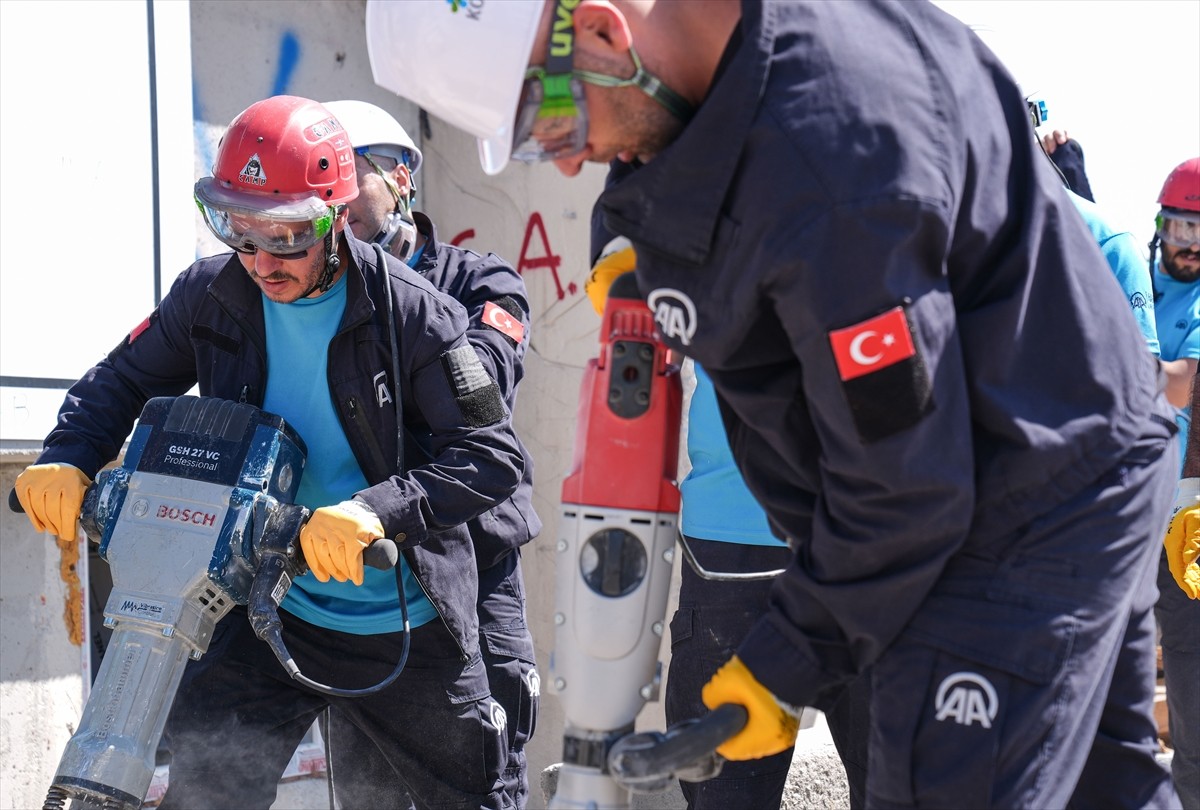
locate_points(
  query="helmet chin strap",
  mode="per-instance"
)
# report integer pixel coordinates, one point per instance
(332, 263)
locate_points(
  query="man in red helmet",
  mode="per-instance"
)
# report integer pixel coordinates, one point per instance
(386, 159)
(1176, 277)
(307, 322)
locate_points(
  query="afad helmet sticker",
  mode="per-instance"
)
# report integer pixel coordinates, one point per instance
(252, 173)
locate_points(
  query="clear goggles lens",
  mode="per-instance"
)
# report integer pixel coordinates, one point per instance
(551, 118)
(1179, 229)
(286, 232)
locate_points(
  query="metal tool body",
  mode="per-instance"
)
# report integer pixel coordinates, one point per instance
(179, 523)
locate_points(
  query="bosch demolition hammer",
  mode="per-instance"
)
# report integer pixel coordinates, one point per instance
(613, 570)
(198, 518)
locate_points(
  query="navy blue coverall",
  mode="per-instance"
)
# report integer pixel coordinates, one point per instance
(492, 293)
(238, 716)
(931, 383)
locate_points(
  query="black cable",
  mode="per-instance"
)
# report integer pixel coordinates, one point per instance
(274, 635)
(323, 724)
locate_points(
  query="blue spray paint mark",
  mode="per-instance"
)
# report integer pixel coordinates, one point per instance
(289, 55)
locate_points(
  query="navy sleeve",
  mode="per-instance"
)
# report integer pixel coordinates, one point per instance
(895, 494)
(473, 459)
(498, 309)
(154, 359)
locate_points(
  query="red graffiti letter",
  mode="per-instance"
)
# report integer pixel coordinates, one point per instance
(457, 241)
(551, 260)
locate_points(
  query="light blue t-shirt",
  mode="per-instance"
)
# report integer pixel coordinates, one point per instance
(1177, 311)
(716, 503)
(1124, 256)
(298, 336)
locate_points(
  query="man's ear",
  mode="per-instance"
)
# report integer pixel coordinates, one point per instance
(403, 178)
(601, 25)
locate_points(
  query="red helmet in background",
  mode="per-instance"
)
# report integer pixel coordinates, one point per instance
(1178, 220)
(1182, 188)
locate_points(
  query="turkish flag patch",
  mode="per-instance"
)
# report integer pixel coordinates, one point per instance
(141, 327)
(499, 319)
(872, 345)
(883, 375)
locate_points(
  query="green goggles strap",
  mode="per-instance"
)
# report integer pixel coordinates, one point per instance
(645, 81)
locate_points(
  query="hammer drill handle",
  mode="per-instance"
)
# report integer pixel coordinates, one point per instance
(87, 513)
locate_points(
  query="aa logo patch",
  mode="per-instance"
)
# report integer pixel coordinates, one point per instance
(966, 698)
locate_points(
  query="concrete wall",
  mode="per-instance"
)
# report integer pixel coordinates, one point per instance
(242, 52)
(41, 689)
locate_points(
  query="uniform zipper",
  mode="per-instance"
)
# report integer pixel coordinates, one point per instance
(360, 426)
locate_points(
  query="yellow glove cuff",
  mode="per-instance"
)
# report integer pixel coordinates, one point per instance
(1182, 542)
(616, 259)
(772, 725)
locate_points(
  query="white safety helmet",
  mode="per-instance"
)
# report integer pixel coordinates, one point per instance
(374, 128)
(462, 60)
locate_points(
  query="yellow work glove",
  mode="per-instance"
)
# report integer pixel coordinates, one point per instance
(772, 724)
(334, 538)
(52, 495)
(616, 259)
(1183, 538)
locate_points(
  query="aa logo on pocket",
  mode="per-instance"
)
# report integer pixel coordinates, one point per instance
(533, 682)
(967, 698)
(498, 716)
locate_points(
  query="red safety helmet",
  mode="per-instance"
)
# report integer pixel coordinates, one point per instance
(1178, 220)
(283, 168)
(286, 148)
(1181, 191)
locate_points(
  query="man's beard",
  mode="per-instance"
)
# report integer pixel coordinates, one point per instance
(1180, 273)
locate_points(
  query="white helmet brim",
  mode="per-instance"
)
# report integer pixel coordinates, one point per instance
(463, 62)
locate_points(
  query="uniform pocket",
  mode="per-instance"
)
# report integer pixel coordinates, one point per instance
(681, 625)
(965, 703)
(515, 682)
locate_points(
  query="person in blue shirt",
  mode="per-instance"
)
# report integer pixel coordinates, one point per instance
(1176, 276)
(296, 319)
(1121, 251)
(493, 293)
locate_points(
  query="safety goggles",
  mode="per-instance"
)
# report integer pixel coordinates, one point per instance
(552, 120)
(286, 229)
(1178, 228)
